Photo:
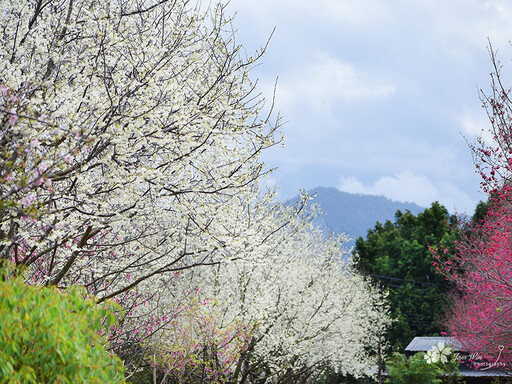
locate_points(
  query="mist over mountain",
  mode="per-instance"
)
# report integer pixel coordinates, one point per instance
(354, 214)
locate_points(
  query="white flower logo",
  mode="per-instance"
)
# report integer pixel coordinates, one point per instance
(444, 352)
(432, 357)
(439, 352)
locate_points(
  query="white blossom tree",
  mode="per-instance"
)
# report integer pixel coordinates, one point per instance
(130, 146)
(300, 308)
(127, 127)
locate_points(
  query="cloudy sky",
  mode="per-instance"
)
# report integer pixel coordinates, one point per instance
(379, 96)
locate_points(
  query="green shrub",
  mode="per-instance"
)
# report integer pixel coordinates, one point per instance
(51, 336)
(420, 369)
(414, 370)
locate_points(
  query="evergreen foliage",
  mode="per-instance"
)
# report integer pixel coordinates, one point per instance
(396, 255)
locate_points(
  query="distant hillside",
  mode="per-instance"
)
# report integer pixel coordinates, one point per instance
(354, 214)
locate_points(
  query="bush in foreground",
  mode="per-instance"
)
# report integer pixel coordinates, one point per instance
(53, 337)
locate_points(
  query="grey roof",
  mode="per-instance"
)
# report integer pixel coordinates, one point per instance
(487, 373)
(419, 344)
(422, 344)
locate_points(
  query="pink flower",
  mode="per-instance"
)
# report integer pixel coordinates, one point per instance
(3, 90)
(34, 143)
(9, 177)
(67, 158)
(28, 200)
(42, 167)
(14, 116)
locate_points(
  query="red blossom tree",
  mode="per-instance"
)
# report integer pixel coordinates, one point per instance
(481, 267)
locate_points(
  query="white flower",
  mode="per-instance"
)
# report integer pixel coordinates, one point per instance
(432, 356)
(444, 351)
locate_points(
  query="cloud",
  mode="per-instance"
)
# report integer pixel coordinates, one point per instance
(329, 77)
(405, 186)
(354, 13)
(410, 187)
(475, 125)
(326, 81)
(377, 90)
(473, 21)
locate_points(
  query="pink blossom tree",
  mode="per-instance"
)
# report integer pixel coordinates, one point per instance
(481, 267)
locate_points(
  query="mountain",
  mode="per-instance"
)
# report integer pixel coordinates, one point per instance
(354, 214)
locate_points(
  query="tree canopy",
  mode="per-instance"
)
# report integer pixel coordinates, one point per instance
(396, 256)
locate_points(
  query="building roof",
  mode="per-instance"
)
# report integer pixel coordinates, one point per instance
(422, 344)
(487, 373)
